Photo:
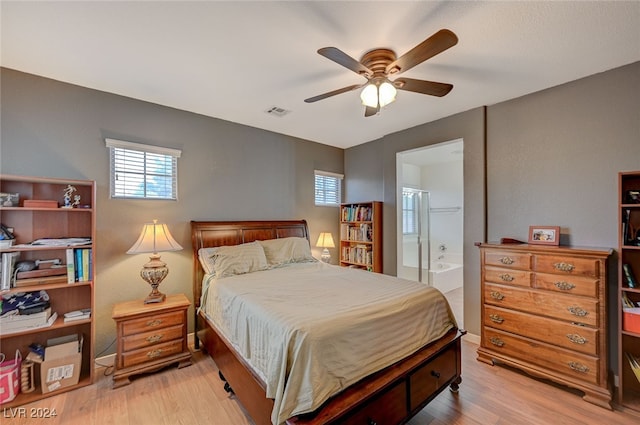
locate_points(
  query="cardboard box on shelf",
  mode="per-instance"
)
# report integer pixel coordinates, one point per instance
(62, 363)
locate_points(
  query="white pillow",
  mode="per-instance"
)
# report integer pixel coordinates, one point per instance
(225, 261)
(287, 250)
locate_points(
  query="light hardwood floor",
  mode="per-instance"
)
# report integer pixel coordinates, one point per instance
(194, 395)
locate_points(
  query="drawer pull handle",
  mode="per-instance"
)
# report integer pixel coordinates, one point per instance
(155, 353)
(496, 341)
(435, 374)
(577, 339)
(371, 422)
(154, 322)
(154, 338)
(577, 311)
(506, 260)
(495, 318)
(565, 286)
(497, 295)
(578, 367)
(564, 267)
(507, 277)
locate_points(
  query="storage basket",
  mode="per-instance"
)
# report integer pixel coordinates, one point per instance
(9, 377)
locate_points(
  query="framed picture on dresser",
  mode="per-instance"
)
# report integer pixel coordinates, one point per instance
(544, 235)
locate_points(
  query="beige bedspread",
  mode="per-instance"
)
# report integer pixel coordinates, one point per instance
(311, 329)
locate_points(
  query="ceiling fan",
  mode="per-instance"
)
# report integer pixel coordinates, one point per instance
(379, 64)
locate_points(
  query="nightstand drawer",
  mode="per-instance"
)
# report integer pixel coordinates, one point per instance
(148, 339)
(149, 354)
(151, 323)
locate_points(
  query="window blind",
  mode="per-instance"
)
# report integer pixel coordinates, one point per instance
(142, 171)
(328, 188)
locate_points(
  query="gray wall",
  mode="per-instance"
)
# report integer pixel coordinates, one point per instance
(552, 159)
(227, 172)
(371, 174)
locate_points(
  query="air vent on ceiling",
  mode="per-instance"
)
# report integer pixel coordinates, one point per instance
(277, 111)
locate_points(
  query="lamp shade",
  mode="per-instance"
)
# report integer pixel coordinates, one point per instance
(154, 238)
(325, 240)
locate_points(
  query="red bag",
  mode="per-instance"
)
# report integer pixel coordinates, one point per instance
(9, 377)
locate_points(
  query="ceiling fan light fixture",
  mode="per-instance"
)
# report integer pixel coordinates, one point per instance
(369, 95)
(386, 93)
(377, 92)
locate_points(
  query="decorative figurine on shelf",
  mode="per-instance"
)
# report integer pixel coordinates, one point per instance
(68, 191)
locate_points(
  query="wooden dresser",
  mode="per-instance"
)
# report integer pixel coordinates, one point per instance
(544, 311)
(150, 337)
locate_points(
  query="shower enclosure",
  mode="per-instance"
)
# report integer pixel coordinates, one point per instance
(415, 235)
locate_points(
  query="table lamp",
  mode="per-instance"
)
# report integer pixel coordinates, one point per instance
(325, 240)
(154, 238)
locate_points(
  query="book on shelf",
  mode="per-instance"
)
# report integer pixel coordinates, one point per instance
(629, 277)
(634, 362)
(79, 265)
(19, 283)
(8, 262)
(627, 303)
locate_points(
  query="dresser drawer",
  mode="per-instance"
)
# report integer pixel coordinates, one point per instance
(568, 363)
(515, 260)
(555, 332)
(507, 276)
(560, 306)
(150, 323)
(148, 339)
(388, 408)
(566, 265)
(431, 376)
(574, 285)
(148, 354)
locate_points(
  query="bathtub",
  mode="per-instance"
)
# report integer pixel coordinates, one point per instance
(445, 276)
(446, 271)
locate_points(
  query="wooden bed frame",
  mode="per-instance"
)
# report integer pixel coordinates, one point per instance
(390, 396)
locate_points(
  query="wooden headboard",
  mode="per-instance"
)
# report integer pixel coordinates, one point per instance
(205, 234)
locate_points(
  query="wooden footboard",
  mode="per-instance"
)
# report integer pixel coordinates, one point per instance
(391, 396)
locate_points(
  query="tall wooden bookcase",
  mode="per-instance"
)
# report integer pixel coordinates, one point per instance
(628, 288)
(30, 223)
(361, 235)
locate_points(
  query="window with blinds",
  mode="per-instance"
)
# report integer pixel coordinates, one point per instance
(142, 171)
(409, 213)
(328, 188)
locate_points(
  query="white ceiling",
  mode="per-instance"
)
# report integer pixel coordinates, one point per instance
(234, 60)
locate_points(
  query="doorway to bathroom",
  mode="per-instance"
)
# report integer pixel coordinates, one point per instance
(430, 219)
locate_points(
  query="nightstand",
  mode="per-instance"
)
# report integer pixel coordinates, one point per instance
(150, 337)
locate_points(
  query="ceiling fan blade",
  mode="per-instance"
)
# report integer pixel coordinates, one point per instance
(332, 93)
(422, 86)
(370, 111)
(437, 43)
(341, 58)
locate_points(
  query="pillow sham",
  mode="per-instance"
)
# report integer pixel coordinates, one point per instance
(230, 260)
(287, 250)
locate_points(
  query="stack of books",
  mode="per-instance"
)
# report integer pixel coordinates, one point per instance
(17, 322)
(72, 316)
